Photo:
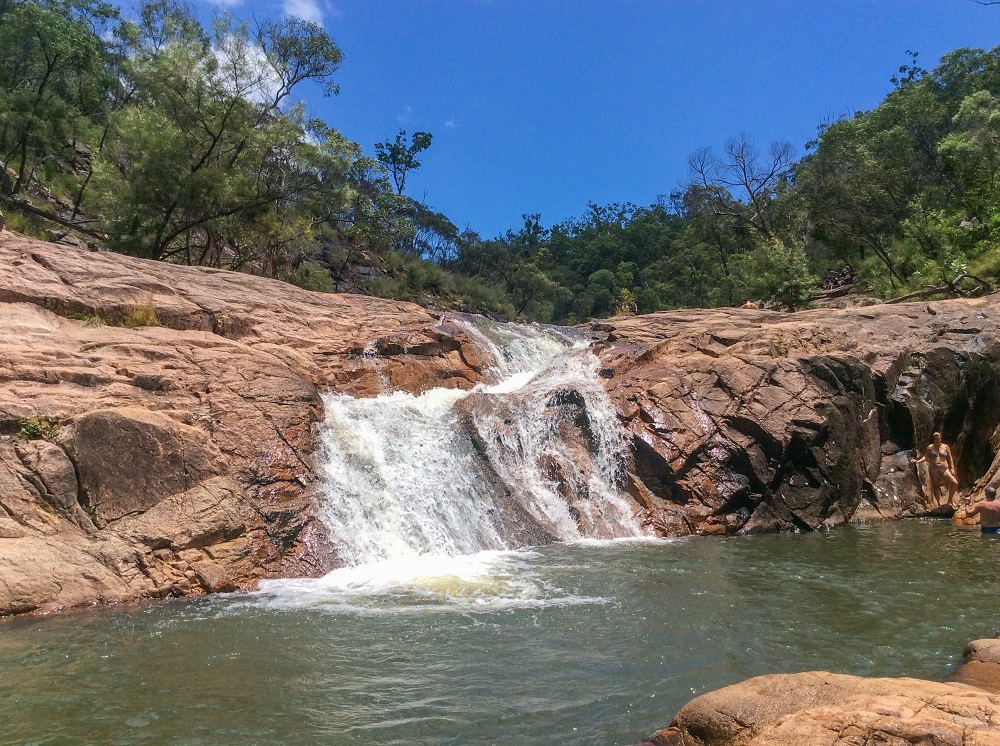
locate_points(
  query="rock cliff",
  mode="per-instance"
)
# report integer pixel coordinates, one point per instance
(142, 461)
(748, 421)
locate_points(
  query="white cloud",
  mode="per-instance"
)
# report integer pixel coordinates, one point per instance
(450, 124)
(307, 10)
(404, 114)
(246, 70)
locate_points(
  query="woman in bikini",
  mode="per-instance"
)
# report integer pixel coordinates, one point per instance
(941, 466)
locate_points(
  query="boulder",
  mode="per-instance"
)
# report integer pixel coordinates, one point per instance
(981, 667)
(825, 709)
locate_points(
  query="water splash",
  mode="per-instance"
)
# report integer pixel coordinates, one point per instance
(532, 457)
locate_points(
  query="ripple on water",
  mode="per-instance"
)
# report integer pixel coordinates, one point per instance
(511, 647)
(484, 582)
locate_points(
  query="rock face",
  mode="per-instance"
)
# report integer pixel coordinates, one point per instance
(825, 709)
(746, 421)
(177, 459)
(157, 422)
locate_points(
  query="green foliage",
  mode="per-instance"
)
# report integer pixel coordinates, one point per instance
(53, 82)
(913, 182)
(776, 273)
(27, 223)
(39, 428)
(183, 143)
(310, 276)
(399, 156)
(90, 319)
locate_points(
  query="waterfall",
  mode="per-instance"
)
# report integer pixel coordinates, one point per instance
(533, 456)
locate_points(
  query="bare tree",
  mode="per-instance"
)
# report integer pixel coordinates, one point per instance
(743, 183)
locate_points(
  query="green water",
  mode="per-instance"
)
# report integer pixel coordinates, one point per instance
(579, 644)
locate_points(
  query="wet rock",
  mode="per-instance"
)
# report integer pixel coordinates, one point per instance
(981, 667)
(178, 459)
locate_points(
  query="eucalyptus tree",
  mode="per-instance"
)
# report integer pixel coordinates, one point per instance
(911, 182)
(53, 82)
(743, 183)
(399, 156)
(212, 141)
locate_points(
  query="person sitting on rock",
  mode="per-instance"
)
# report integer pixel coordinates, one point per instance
(989, 511)
(941, 468)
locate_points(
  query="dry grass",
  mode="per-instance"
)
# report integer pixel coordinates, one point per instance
(142, 314)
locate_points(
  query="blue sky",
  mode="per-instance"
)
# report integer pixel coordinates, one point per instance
(543, 106)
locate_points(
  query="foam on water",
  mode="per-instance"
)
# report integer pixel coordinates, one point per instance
(482, 582)
(424, 495)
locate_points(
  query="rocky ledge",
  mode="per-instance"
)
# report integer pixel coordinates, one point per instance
(156, 421)
(747, 421)
(825, 709)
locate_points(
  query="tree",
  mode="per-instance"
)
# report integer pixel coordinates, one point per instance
(210, 140)
(52, 81)
(399, 156)
(743, 183)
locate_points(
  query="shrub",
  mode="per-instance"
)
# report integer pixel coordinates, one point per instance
(39, 428)
(309, 276)
(775, 272)
(89, 319)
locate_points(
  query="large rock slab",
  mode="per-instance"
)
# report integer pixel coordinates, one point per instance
(825, 709)
(744, 420)
(178, 459)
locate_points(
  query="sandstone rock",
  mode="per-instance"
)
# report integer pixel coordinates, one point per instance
(213, 578)
(825, 709)
(130, 458)
(982, 665)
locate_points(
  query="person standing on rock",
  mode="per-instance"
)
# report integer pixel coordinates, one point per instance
(989, 511)
(941, 466)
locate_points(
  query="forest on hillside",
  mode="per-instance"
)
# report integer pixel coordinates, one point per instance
(156, 136)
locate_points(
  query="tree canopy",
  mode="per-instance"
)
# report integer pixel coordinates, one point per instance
(157, 136)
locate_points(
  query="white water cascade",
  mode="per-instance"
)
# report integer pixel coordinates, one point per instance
(533, 457)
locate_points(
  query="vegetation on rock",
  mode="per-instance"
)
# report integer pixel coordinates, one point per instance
(38, 428)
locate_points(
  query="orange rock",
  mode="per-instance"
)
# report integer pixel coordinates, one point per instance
(767, 421)
(178, 457)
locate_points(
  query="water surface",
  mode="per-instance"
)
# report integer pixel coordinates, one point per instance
(587, 643)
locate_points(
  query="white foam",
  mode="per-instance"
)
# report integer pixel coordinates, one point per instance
(482, 582)
(411, 480)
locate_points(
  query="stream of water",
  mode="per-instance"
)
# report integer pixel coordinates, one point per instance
(497, 589)
(584, 643)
